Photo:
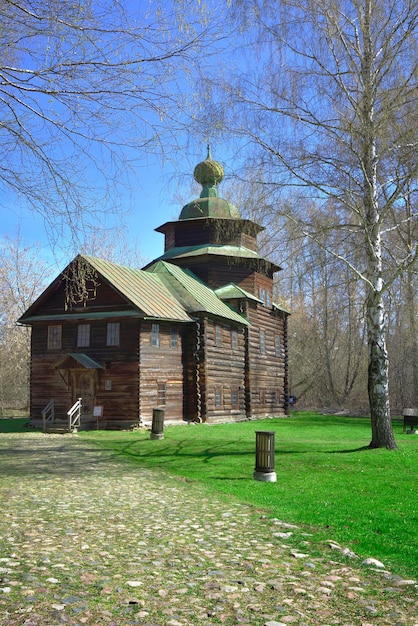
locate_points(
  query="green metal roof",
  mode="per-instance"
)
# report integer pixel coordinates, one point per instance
(81, 315)
(230, 291)
(192, 293)
(209, 174)
(143, 289)
(215, 250)
(281, 308)
(81, 358)
(209, 206)
(163, 291)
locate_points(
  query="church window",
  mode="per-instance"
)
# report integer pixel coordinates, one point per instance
(234, 397)
(218, 336)
(54, 337)
(83, 335)
(278, 345)
(113, 334)
(174, 337)
(155, 335)
(262, 342)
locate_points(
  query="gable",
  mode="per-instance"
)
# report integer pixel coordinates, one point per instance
(115, 291)
(163, 291)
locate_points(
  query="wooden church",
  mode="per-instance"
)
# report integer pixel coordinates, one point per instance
(195, 332)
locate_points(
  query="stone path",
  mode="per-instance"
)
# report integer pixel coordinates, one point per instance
(88, 539)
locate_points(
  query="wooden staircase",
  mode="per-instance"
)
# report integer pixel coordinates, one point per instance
(53, 424)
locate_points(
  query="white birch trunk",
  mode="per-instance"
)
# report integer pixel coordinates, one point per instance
(378, 375)
(378, 380)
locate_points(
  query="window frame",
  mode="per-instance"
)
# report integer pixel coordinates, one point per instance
(278, 345)
(268, 299)
(161, 393)
(83, 335)
(155, 335)
(262, 336)
(218, 335)
(113, 334)
(174, 337)
(234, 402)
(234, 339)
(54, 341)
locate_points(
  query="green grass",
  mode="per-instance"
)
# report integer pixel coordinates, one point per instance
(326, 477)
(13, 424)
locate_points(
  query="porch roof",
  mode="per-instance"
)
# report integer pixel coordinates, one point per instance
(67, 361)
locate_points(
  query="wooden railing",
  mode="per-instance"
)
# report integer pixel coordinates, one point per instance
(48, 414)
(74, 415)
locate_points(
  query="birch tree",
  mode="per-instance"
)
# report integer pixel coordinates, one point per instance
(327, 110)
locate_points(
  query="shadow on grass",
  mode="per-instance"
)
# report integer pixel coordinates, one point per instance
(160, 454)
(38, 457)
(35, 454)
(351, 450)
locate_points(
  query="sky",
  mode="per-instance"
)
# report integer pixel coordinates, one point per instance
(157, 196)
(158, 190)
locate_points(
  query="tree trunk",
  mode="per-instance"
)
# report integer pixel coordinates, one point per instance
(378, 382)
(378, 375)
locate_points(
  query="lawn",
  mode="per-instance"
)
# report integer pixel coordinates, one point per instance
(327, 479)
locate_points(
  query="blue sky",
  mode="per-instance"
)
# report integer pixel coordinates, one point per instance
(156, 190)
(157, 196)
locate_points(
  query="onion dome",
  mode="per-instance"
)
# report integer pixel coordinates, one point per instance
(209, 174)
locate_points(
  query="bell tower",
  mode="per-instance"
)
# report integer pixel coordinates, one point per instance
(211, 239)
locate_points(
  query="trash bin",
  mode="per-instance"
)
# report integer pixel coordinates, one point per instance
(264, 456)
(157, 428)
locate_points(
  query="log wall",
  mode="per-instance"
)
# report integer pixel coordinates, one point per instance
(116, 385)
(161, 365)
(223, 372)
(265, 376)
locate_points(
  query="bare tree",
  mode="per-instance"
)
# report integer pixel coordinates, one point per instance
(327, 351)
(23, 275)
(327, 109)
(86, 90)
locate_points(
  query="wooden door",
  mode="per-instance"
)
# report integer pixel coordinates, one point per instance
(84, 387)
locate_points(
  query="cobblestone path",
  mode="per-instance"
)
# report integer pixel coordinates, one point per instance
(86, 538)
